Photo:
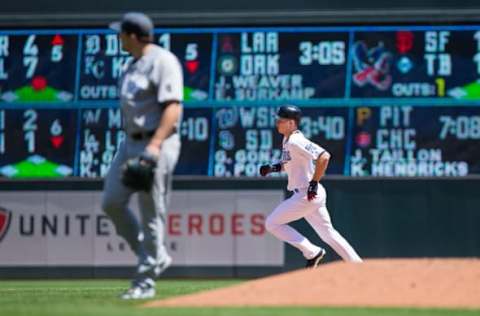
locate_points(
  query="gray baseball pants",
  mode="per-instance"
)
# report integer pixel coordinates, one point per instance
(145, 237)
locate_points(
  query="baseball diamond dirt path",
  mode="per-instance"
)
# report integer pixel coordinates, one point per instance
(452, 283)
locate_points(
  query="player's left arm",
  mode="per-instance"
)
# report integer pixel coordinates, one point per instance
(321, 165)
(169, 80)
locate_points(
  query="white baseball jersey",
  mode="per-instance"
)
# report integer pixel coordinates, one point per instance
(297, 159)
(298, 155)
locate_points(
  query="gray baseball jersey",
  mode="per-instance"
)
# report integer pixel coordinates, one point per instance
(145, 85)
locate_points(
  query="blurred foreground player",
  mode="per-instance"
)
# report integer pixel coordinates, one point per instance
(151, 92)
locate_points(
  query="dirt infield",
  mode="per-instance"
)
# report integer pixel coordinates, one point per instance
(451, 283)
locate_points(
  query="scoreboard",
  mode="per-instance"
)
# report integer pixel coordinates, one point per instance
(384, 101)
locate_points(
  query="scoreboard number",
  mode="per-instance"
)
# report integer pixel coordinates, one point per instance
(56, 128)
(164, 41)
(195, 129)
(191, 51)
(57, 53)
(31, 63)
(29, 127)
(440, 87)
(324, 53)
(30, 60)
(461, 127)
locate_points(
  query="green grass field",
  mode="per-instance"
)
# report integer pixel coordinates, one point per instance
(99, 297)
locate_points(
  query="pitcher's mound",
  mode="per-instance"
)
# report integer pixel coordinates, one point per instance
(453, 283)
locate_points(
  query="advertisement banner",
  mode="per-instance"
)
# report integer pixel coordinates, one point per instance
(204, 228)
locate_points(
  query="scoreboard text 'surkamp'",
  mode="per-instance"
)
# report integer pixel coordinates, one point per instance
(385, 101)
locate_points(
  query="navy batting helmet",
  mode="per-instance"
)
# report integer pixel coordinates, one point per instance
(290, 112)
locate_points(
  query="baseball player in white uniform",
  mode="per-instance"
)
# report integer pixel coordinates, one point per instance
(305, 163)
(151, 92)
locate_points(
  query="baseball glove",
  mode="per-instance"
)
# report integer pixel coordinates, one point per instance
(138, 173)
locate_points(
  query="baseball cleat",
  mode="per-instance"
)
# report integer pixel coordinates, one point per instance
(315, 261)
(138, 293)
(157, 268)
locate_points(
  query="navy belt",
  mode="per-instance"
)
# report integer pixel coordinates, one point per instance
(149, 134)
(142, 135)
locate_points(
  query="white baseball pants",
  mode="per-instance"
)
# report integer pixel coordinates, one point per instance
(316, 214)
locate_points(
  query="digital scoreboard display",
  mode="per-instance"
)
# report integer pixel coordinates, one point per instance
(398, 141)
(256, 66)
(416, 64)
(101, 61)
(37, 143)
(38, 68)
(384, 101)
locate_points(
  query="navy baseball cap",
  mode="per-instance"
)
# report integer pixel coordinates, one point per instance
(134, 22)
(291, 112)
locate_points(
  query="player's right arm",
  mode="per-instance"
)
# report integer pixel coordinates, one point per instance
(266, 169)
(321, 164)
(168, 79)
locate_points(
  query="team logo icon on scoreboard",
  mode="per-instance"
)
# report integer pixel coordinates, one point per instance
(227, 117)
(226, 140)
(404, 65)
(363, 139)
(372, 66)
(227, 65)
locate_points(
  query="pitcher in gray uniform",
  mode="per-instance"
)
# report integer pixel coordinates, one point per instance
(151, 92)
